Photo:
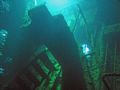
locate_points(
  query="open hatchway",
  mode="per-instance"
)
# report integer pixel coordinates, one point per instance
(112, 57)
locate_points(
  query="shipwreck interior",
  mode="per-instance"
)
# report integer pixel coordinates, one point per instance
(59, 44)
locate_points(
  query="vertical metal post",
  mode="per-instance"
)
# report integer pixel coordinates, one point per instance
(115, 57)
(106, 54)
(114, 66)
